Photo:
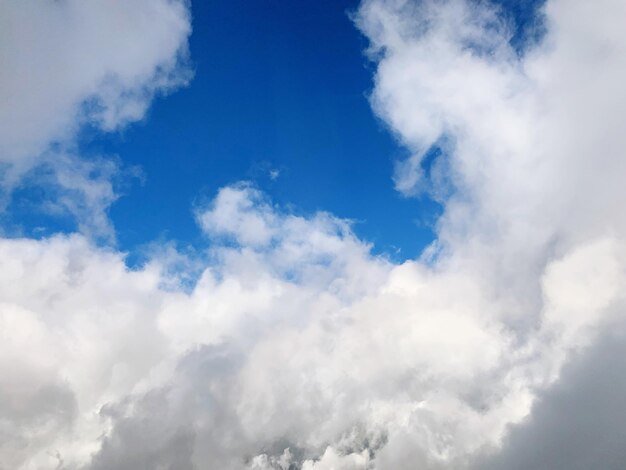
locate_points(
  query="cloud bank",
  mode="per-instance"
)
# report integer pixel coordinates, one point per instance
(298, 348)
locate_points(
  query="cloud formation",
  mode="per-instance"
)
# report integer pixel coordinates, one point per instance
(298, 348)
(579, 423)
(68, 64)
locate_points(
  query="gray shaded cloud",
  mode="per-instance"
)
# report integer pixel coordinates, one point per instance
(579, 422)
(148, 436)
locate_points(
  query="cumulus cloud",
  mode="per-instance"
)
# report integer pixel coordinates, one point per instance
(349, 363)
(298, 348)
(67, 64)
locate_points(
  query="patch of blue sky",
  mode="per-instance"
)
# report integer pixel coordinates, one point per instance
(279, 98)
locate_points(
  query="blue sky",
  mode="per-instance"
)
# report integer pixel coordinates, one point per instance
(279, 88)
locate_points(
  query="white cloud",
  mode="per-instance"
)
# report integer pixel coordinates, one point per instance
(66, 64)
(532, 150)
(346, 359)
(297, 346)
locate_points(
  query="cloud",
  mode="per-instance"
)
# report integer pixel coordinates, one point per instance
(345, 359)
(579, 423)
(68, 64)
(296, 347)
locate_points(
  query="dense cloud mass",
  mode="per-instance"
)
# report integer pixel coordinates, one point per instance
(579, 423)
(288, 344)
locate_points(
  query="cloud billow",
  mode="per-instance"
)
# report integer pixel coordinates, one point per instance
(297, 348)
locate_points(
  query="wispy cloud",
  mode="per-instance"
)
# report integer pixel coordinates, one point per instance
(69, 64)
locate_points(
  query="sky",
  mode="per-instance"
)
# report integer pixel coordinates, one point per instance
(331, 235)
(290, 103)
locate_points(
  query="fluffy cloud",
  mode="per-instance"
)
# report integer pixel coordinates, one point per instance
(66, 64)
(342, 361)
(298, 348)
